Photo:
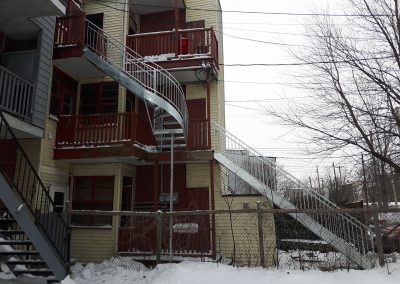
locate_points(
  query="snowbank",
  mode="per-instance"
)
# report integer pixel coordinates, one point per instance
(211, 273)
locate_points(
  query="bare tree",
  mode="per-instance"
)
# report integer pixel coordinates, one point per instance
(354, 76)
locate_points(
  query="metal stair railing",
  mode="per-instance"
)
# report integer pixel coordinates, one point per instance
(279, 181)
(24, 179)
(149, 75)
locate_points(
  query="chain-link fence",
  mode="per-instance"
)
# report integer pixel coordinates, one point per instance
(257, 237)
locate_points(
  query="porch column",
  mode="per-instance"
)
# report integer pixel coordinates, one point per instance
(156, 192)
(177, 39)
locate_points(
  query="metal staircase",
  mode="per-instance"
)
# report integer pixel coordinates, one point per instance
(162, 93)
(342, 231)
(32, 234)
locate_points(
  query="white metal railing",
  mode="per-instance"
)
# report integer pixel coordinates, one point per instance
(16, 94)
(149, 75)
(292, 189)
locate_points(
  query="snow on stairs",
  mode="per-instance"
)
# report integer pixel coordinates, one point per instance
(161, 92)
(342, 231)
(18, 252)
(30, 210)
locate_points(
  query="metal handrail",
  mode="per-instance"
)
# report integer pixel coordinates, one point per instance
(298, 193)
(36, 197)
(148, 74)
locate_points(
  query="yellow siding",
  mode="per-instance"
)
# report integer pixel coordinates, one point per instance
(52, 172)
(210, 17)
(92, 245)
(114, 21)
(97, 244)
(244, 227)
(196, 92)
(197, 175)
(32, 150)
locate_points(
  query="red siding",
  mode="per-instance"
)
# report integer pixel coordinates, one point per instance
(144, 185)
(144, 132)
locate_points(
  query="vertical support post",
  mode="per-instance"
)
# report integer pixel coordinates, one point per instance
(365, 189)
(319, 183)
(378, 233)
(156, 188)
(260, 234)
(177, 39)
(171, 197)
(208, 111)
(159, 236)
(394, 191)
(212, 189)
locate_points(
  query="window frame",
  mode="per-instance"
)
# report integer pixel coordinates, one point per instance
(92, 203)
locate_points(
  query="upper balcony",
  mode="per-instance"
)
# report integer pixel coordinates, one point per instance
(16, 15)
(179, 49)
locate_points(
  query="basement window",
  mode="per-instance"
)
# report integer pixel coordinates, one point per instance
(93, 193)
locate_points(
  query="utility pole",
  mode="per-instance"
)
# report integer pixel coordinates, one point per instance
(171, 198)
(365, 189)
(319, 184)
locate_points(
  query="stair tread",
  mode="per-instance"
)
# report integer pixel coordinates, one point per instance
(37, 272)
(27, 262)
(15, 242)
(20, 252)
(11, 232)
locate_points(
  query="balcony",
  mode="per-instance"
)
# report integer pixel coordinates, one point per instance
(16, 15)
(115, 134)
(96, 130)
(16, 94)
(171, 49)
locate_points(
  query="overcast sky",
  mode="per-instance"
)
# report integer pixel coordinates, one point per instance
(270, 85)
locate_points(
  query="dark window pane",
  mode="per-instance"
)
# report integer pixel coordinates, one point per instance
(83, 188)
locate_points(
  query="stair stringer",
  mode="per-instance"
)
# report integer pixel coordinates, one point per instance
(338, 243)
(26, 221)
(135, 87)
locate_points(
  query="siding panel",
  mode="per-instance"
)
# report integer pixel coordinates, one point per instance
(39, 111)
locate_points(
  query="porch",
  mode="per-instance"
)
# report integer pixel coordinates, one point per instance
(16, 94)
(118, 129)
(181, 48)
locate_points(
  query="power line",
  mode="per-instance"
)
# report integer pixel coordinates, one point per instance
(267, 100)
(303, 63)
(294, 34)
(270, 83)
(260, 41)
(256, 12)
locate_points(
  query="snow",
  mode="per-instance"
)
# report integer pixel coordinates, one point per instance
(117, 271)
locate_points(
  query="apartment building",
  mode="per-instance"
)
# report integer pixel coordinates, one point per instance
(122, 109)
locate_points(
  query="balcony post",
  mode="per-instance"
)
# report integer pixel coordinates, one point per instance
(177, 39)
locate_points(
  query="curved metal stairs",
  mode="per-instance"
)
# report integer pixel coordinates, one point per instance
(342, 231)
(164, 98)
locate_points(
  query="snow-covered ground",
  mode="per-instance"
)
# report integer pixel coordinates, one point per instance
(119, 272)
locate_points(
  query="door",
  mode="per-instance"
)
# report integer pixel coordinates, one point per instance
(94, 39)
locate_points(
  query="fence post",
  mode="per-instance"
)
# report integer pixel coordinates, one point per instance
(159, 219)
(260, 234)
(378, 233)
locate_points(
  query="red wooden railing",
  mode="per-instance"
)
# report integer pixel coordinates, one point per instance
(198, 134)
(191, 42)
(70, 30)
(99, 129)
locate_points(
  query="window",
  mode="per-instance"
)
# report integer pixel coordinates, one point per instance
(93, 193)
(59, 201)
(99, 98)
(55, 97)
